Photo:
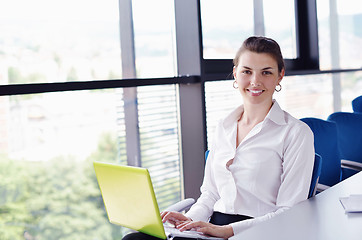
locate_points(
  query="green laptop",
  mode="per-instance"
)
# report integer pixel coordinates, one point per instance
(130, 201)
(129, 198)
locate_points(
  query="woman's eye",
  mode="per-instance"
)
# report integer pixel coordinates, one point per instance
(246, 72)
(267, 73)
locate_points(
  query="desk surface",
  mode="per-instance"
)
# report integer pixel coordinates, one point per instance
(320, 218)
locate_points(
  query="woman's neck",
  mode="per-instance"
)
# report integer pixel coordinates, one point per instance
(254, 113)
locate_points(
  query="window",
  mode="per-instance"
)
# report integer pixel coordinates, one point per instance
(306, 95)
(48, 185)
(220, 99)
(235, 21)
(154, 38)
(225, 24)
(51, 139)
(350, 33)
(60, 41)
(351, 85)
(339, 34)
(158, 124)
(279, 20)
(157, 105)
(292, 23)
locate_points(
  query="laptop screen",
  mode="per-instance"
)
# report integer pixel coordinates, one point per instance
(129, 198)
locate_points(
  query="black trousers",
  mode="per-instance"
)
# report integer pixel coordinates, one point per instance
(217, 218)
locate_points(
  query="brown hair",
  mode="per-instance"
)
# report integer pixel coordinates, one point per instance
(259, 44)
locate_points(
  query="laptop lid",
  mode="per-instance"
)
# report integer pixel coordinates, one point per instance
(129, 198)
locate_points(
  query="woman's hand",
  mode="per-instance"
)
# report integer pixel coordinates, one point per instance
(184, 223)
(225, 231)
(174, 218)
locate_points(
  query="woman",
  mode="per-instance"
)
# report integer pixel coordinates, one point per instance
(261, 159)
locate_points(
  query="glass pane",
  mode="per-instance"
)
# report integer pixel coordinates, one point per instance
(279, 21)
(306, 96)
(340, 31)
(350, 33)
(48, 187)
(225, 25)
(324, 34)
(351, 84)
(220, 99)
(154, 41)
(158, 125)
(59, 41)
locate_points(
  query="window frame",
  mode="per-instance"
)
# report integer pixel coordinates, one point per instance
(307, 61)
(307, 47)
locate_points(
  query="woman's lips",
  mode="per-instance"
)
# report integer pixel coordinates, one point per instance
(255, 92)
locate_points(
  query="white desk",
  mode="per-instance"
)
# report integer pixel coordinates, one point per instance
(319, 218)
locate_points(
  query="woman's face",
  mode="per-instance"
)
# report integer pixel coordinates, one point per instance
(257, 76)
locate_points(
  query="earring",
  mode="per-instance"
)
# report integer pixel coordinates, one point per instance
(235, 85)
(278, 89)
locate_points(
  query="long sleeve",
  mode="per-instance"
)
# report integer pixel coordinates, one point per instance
(238, 227)
(204, 207)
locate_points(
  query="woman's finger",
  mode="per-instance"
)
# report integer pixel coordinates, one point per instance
(173, 217)
(190, 225)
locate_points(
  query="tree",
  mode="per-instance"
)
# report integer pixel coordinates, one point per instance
(14, 215)
(56, 199)
(64, 202)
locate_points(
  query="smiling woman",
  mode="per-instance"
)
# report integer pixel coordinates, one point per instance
(261, 159)
(238, 180)
(258, 69)
(257, 75)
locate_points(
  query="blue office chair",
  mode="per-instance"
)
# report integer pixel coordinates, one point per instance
(349, 126)
(326, 145)
(188, 202)
(317, 169)
(357, 104)
(206, 154)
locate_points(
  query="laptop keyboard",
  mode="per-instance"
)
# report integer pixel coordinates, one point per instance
(174, 232)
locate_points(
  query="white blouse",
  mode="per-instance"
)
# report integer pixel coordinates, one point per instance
(271, 170)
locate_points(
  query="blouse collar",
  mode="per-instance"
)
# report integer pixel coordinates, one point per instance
(275, 114)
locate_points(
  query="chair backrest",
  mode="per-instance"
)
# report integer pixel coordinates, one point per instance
(206, 154)
(315, 175)
(357, 104)
(349, 127)
(317, 168)
(326, 145)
